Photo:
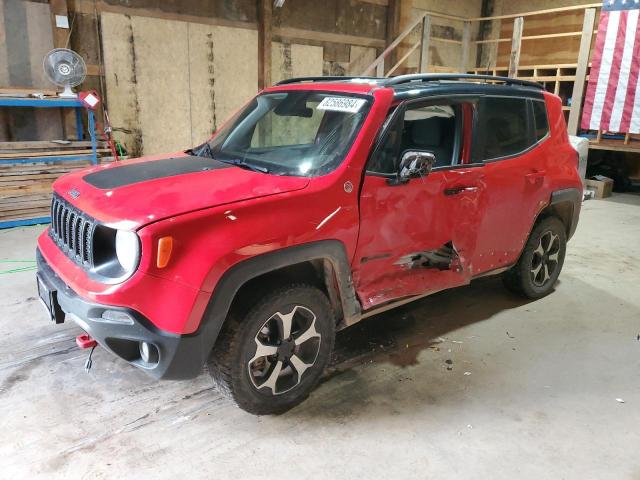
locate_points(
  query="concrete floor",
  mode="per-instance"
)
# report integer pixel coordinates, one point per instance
(539, 400)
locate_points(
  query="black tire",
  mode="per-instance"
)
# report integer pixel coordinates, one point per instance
(521, 278)
(241, 374)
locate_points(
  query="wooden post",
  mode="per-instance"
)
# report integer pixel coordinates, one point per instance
(424, 45)
(60, 35)
(466, 46)
(264, 43)
(581, 70)
(627, 138)
(394, 11)
(516, 40)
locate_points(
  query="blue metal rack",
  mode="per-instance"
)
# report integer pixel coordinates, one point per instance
(56, 103)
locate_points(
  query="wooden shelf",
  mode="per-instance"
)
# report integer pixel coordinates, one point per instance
(615, 145)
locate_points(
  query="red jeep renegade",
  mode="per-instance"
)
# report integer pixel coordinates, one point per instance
(321, 202)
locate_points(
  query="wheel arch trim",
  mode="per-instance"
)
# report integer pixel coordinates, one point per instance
(572, 197)
(332, 251)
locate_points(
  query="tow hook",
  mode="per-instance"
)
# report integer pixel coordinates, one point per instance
(85, 341)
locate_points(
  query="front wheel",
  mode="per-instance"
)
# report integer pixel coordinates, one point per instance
(541, 260)
(268, 359)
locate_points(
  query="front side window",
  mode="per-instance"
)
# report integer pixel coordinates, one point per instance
(432, 128)
(502, 128)
(302, 133)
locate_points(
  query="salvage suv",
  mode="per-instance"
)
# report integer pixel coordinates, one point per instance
(321, 202)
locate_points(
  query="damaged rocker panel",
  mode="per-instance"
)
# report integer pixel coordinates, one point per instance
(444, 258)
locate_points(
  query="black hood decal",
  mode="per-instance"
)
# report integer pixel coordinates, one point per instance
(128, 174)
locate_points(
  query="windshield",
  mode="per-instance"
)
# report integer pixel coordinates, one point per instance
(302, 133)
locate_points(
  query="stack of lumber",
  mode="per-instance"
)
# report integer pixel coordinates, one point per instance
(35, 149)
(25, 189)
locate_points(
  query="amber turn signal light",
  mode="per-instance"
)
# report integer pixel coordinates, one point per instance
(165, 245)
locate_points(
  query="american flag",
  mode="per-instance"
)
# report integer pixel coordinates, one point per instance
(612, 101)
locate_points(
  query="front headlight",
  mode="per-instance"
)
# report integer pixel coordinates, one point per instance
(127, 250)
(116, 254)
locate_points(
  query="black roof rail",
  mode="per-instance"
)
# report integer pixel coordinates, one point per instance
(324, 79)
(434, 77)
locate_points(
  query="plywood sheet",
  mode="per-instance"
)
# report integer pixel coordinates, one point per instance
(360, 58)
(25, 37)
(290, 60)
(121, 81)
(219, 82)
(40, 41)
(4, 71)
(162, 73)
(171, 83)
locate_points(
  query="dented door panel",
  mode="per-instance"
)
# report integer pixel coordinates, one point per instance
(419, 237)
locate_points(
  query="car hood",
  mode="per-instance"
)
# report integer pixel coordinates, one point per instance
(132, 193)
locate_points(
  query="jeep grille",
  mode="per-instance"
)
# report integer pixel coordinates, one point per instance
(72, 231)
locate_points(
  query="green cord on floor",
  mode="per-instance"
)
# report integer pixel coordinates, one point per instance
(25, 268)
(16, 270)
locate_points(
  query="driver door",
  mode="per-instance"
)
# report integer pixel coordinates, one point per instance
(419, 237)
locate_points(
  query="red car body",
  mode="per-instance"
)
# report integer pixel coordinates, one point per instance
(219, 220)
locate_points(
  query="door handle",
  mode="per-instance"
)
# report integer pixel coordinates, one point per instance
(458, 190)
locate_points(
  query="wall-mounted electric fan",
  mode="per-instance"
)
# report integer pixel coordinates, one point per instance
(66, 69)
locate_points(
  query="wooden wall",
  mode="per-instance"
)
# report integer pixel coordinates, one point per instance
(25, 38)
(174, 71)
(442, 54)
(543, 51)
(171, 83)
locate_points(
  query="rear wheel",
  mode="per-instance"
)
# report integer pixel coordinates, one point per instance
(541, 260)
(268, 359)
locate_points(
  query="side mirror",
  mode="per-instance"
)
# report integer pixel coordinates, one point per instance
(414, 164)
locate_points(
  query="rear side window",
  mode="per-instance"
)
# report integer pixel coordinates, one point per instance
(502, 128)
(540, 119)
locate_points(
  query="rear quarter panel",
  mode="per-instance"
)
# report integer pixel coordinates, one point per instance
(562, 160)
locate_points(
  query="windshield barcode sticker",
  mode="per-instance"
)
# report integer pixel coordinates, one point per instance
(341, 104)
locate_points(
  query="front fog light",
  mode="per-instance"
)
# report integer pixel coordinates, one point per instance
(115, 316)
(127, 250)
(148, 352)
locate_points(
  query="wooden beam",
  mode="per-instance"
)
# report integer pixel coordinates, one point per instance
(446, 40)
(402, 60)
(581, 70)
(394, 10)
(392, 46)
(466, 46)
(535, 37)
(425, 44)
(264, 43)
(93, 70)
(91, 6)
(537, 12)
(60, 35)
(516, 40)
(292, 33)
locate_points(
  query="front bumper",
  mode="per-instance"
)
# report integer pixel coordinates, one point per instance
(179, 356)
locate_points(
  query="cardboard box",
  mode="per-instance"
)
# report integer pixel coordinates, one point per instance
(600, 185)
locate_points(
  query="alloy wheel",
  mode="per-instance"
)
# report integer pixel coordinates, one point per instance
(287, 345)
(544, 261)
